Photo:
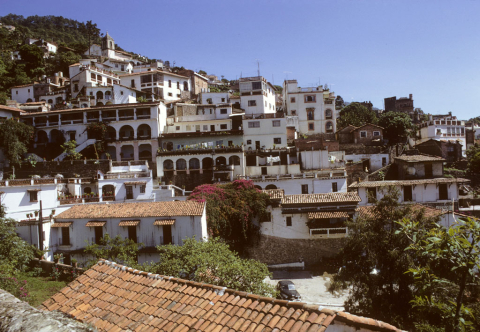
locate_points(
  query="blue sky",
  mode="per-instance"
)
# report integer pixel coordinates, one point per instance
(364, 49)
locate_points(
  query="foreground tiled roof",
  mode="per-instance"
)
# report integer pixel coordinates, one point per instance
(117, 298)
(370, 184)
(133, 210)
(321, 198)
(419, 158)
(429, 212)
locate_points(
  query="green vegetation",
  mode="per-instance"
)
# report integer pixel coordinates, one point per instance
(214, 263)
(69, 148)
(231, 209)
(473, 157)
(355, 114)
(40, 288)
(15, 137)
(396, 126)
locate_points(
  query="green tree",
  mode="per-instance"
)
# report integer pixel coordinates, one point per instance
(473, 158)
(70, 148)
(32, 55)
(339, 103)
(231, 209)
(396, 126)
(15, 253)
(214, 263)
(92, 32)
(15, 137)
(116, 249)
(374, 263)
(357, 115)
(202, 72)
(448, 261)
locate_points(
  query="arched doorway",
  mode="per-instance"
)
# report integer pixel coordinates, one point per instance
(270, 186)
(181, 165)
(111, 133)
(194, 163)
(126, 132)
(207, 163)
(127, 152)
(167, 165)
(144, 132)
(234, 160)
(145, 152)
(220, 161)
(57, 137)
(42, 137)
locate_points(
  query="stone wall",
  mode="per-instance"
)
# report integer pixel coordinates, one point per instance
(68, 168)
(275, 250)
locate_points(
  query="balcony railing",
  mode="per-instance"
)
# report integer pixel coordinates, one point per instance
(329, 232)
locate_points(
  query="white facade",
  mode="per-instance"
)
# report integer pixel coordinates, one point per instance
(448, 128)
(23, 93)
(298, 184)
(215, 98)
(90, 75)
(377, 161)
(119, 66)
(315, 108)
(262, 131)
(163, 85)
(257, 95)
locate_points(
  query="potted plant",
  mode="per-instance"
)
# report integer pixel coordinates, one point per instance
(36, 213)
(74, 262)
(28, 215)
(53, 211)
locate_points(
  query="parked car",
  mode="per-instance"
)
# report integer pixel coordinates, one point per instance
(287, 291)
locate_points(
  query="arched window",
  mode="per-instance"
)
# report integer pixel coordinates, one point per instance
(234, 160)
(181, 164)
(194, 163)
(220, 161)
(167, 164)
(270, 186)
(328, 114)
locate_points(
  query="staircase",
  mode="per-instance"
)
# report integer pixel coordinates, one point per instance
(79, 148)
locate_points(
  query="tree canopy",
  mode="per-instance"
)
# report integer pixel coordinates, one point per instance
(473, 158)
(357, 115)
(396, 126)
(115, 249)
(14, 139)
(214, 263)
(231, 209)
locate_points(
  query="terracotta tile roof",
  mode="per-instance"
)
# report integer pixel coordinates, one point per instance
(23, 86)
(133, 210)
(367, 124)
(371, 184)
(419, 157)
(429, 212)
(152, 72)
(327, 215)
(96, 223)
(275, 193)
(321, 198)
(12, 109)
(62, 224)
(125, 223)
(165, 222)
(113, 297)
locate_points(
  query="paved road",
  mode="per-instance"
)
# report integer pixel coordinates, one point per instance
(313, 289)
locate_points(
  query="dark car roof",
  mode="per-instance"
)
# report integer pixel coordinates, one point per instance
(285, 282)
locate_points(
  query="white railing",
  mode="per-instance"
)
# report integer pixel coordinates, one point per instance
(79, 148)
(331, 233)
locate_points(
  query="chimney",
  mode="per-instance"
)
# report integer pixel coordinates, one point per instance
(410, 96)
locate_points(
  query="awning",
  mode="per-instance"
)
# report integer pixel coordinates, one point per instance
(62, 224)
(135, 182)
(164, 222)
(96, 223)
(327, 215)
(34, 189)
(125, 223)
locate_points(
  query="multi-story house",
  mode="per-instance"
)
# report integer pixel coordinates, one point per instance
(315, 108)
(159, 85)
(257, 95)
(133, 129)
(447, 129)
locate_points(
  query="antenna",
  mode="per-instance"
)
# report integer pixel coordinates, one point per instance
(258, 66)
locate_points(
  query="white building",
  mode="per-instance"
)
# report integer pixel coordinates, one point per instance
(257, 95)
(23, 93)
(151, 224)
(264, 131)
(434, 192)
(158, 84)
(448, 129)
(315, 107)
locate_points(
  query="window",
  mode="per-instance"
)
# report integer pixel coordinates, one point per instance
(334, 187)
(142, 189)
(376, 133)
(252, 103)
(363, 134)
(407, 193)
(205, 127)
(329, 126)
(170, 94)
(65, 236)
(223, 110)
(328, 114)
(442, 191)
(178, 95)
(178, 85)
(294, 112)
(132, 233)
(121, 93)
(256, 85)
(428, 170)
(254, 124)
(129, 190)
(169, 83)
(310, 115)
(223, 126)
(276, 123)
(33, 196)
(277, 140)
(371, 195)
(310, 98)
(439, 131)
(249, 141)
(28, 90)
(289, 221)
(132, 83)
(304, 189)
(75, 88)
(267, 217)
(98, 234)
(292, 99)
(177, 127)
(311, 127)
(223, 100)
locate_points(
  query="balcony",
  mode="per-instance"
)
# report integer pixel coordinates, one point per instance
(201, 133)
(329, 233)
(223, 168)
(227, 149)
